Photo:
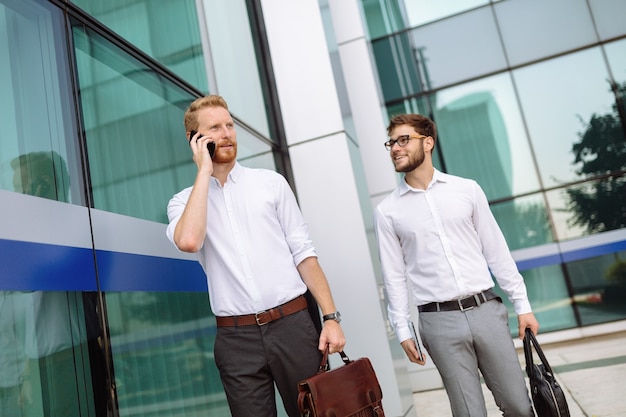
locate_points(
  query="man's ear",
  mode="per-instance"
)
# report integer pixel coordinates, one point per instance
(430, 142)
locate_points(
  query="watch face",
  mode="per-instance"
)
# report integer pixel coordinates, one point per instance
(333, 316)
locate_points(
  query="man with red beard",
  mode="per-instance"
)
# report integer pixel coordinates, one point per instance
(436, 232)
(255, 249)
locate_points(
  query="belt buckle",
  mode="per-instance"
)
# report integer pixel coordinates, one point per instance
(258, 320)
(461, 307)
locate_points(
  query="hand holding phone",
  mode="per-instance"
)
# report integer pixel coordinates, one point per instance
(210, 145)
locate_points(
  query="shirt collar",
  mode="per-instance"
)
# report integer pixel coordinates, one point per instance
(233, 176)
(438, 176)
(236, 172)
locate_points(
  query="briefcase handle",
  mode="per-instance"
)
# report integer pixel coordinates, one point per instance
(324, 365)
(531, 341)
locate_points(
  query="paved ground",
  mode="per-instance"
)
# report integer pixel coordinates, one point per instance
(592, 372)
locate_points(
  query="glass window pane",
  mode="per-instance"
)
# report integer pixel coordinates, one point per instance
(533, 29)
(599, 286)
(49, 349)
(383, 17)
(561, 100)
(459, 48)
(482, 136)
(237, 74)
(424, 11)
(616, 55)
(609, 17)
(133, 123)
(548, 297)
(524, 221)
(37, 158)
(399, 71)
(133, 117)
(162, 347)
(169, 33)
(590, 207)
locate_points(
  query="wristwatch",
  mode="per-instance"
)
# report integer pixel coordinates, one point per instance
(332, 316)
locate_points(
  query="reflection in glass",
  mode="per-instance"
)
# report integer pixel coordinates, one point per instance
(400, 72)
(36, 110)
(608, 17)
(383, 17)
(15, 395)
(548, 297)
(458, 48)
(41, 174)
(558, 98)
(420, 12)
(535, 29)
(558, 205)
(50, 355)
(168, 33)
(162, 345)
(63, 369)
(234, 61)
(600, 153)
(412, 62)
(599, 286)
(524, 221)
(482, 136)
(138, 152)
(133, 124)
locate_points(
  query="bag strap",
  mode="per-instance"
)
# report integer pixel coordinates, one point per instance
(324, 365)
(530, 339)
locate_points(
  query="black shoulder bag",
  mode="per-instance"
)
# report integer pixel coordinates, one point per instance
(548, 396)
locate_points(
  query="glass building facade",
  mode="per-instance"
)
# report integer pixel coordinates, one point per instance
(529, 99)
(101, 316)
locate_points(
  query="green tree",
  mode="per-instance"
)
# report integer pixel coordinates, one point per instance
(600, 204)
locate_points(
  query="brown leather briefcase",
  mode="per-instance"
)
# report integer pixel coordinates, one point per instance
(350, 390)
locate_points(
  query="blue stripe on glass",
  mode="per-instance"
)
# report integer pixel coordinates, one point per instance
(129, 272)
(28, 266)
(538, 262)
(579, 254)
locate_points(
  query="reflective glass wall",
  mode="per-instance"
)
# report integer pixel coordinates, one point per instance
(92, 147)
(538, 118)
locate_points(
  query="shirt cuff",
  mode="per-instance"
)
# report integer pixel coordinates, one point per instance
(403, 333)
(522, 307)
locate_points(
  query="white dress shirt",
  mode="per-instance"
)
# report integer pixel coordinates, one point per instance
(256, 236)
(444, 240)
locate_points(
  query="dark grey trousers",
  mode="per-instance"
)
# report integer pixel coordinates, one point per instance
(251, 359)
(462, 343)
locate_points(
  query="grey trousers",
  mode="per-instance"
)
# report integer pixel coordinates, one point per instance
(251, 359)
(462, 343)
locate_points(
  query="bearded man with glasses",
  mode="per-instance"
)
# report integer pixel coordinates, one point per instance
(436, 231)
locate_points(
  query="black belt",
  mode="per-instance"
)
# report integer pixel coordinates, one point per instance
(462, 304)
(263, 317)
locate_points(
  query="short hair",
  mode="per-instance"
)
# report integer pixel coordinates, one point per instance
(191, 114)
(421, 124)
(48, 164)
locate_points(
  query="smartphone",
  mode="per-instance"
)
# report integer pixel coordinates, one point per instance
(210, 145)
(416, 340)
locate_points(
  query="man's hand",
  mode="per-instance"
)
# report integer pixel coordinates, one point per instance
(411, 352)
(525, 321)
(332, 334)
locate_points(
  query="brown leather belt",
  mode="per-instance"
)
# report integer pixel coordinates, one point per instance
(263, 317)
(463, 304)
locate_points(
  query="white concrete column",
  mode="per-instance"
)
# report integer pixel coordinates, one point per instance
(321, 156)
(370, 120)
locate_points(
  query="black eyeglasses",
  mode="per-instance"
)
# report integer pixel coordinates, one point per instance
(401, 141)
